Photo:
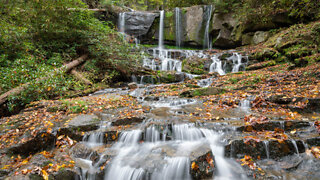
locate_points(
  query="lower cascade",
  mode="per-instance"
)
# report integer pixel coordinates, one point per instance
(162, 152)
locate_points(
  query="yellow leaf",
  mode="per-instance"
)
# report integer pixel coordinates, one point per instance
(194, 166)
(293, 132)
(45, 175)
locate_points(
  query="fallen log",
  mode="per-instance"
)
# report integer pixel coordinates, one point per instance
(66, 68)
(80, 77)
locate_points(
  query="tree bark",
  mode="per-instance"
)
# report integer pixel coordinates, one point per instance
(66, 68)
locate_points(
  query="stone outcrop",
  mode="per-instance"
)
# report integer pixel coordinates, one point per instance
(139, 23)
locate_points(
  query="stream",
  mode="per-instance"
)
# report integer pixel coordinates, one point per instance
(169, 144)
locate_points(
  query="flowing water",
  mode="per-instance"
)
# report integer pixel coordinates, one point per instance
(122, 22)
(166, 143)
(161, 30)
(178, 27)
(207, 44)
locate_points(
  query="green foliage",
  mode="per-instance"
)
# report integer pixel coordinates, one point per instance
(37, 37)
(76, 106)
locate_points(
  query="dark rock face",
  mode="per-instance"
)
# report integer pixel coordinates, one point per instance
(202, 163)
(38, 143)
(127, 121)
(138, 23)
(238, 148)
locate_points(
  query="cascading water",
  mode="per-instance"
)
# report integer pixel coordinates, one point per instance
(266, 146)
(208, 14)
(216, 65)
(122, 22)
(161, 30)
(133, 159)
(178, 27)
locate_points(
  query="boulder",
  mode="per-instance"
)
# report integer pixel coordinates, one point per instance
(138, 23)
(80, 150)
(260, 36)
(170, 77)
(196, 65)
(202, 163)
(222, 30)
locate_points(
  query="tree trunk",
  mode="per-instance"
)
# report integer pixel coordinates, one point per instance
(65, 68)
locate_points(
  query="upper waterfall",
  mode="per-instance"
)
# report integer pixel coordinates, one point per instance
(178, 27)
(161, 29)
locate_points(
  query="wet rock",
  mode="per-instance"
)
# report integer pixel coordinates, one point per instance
(4, 173)
(202, 92)
(80, 150)
(128, 121)
(290, 165)
(111, 136)
(42, 141)
(202, 163)
(313, 141)
(133, 85)
(256, 149)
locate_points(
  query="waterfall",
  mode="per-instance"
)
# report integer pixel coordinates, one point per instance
(266, 146)
(178, 27)
(208, 14)
(161, 29)
(216, 65)
(122, 22)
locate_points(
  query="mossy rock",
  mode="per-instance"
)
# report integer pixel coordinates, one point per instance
(194, 65)
(170, 77)
(203, 92)
(264, 54)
